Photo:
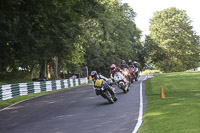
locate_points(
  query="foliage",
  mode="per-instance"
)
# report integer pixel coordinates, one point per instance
(59, 35)
(109, 40)
(172, 44)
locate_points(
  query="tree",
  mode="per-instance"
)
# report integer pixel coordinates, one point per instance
(59, 35)
(111, 36)
(36, 32)
(174, 40)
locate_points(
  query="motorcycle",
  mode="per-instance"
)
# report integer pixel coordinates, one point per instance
(120, 80)
(105, 91)
(136, 69)
(132, 74)
(127, 75)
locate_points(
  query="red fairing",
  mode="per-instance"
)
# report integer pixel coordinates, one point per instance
(132, 70)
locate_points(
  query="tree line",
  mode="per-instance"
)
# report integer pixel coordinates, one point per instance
(50, 36)
(47, 37)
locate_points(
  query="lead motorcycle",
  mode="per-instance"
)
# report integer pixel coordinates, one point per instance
(127, 75)
(105, 90)
(120, 80)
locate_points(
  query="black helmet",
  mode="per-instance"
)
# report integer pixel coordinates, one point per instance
(123, 62)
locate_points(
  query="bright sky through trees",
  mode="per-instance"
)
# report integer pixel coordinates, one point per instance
(146, 8)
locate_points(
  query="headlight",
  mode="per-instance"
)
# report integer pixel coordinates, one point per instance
(125, 73)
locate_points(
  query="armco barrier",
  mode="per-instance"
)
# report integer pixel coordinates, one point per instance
(14, 90)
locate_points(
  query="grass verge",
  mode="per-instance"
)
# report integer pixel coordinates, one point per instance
(6, 103)
(179, 111)
(146, 72)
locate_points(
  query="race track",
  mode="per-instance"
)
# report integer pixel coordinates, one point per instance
(76, 110)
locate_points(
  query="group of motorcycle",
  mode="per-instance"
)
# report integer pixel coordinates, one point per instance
(127, 75)
(131, 74)
(121, 79)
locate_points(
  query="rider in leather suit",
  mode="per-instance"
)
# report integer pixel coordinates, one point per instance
(124, 65)
(96, 76)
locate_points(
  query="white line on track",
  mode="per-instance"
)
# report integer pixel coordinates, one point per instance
(139, 123)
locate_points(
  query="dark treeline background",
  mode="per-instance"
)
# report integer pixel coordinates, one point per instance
(42, 38)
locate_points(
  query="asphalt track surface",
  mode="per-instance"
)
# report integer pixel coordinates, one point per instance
(76, 110)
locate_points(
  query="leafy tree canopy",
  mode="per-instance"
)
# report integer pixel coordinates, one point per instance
(172, 44)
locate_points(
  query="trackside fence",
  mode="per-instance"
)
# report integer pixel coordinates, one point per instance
(14, 90)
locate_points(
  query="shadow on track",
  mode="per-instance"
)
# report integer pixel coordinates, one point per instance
(120, 93)
(103, 104)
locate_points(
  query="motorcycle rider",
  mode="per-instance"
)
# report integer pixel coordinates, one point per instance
(131, 69)
(113, 70)
(124, 65)
(95, 77)
(130, 63)
(135, 64)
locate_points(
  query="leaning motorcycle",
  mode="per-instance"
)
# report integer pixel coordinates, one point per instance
(136, 69)
(132, 74)
(105, 90)
(120, 80)
(127, 75)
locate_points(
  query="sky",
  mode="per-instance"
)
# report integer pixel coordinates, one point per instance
(146, 8)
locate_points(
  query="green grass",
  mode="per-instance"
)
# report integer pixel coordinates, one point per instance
(179, 112)
(6, 103)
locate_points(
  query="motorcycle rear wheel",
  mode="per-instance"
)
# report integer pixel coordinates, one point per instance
(115, 98)
(136, 78)
(124, 90)
(108, 96)
(110, 100)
